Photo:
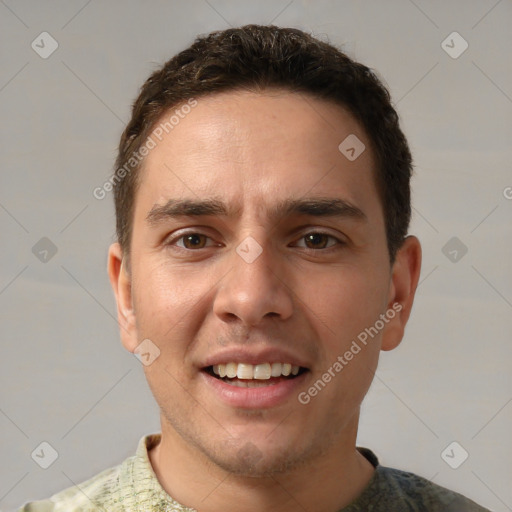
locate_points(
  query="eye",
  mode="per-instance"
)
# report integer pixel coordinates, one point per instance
(192, 241)
(316, 240)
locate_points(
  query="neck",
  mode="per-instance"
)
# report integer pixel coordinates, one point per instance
(326, 484)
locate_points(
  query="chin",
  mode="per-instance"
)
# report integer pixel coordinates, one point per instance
(260, 459)
(250, 462)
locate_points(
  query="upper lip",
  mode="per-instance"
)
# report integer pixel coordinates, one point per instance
(244, 355)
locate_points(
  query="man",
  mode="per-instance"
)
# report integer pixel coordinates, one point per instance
(262, 201)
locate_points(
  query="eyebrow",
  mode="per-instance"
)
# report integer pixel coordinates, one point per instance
(315, 207)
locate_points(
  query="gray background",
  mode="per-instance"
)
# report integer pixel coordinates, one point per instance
(65, 378)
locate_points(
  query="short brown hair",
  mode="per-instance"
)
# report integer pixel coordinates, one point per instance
(256, 57)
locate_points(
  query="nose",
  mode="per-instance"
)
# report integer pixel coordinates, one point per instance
(253, 290)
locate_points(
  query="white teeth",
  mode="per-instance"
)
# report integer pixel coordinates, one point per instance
(262, 371)
(231, 369)
(247, 372)
(276, 370)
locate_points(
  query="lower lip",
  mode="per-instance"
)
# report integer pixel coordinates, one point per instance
(261, 397)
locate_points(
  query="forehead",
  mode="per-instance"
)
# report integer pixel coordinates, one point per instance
(256, 149)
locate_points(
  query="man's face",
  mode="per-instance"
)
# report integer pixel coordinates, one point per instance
(273, 179)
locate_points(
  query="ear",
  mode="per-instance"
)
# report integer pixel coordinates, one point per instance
(120, 280)
(404, 281)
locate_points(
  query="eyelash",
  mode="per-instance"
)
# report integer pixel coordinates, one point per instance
(334, 246)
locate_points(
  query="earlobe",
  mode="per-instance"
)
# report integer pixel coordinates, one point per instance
(404, 282)
(120, 281)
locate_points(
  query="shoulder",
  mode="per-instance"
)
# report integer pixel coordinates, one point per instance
(97, 493)
(393, 489)
(127, 486)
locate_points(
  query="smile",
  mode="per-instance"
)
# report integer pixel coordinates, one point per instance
(260, 385)
(248, 371)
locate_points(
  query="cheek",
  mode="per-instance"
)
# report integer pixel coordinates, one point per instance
(349, 302)
(345, 300)
(170, 306)
(168, 311)
(167, 290)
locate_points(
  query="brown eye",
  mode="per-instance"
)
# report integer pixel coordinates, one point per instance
(317, 240)
(193, 241)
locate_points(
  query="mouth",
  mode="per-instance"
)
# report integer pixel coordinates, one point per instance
(256, 379)
(245, 375)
